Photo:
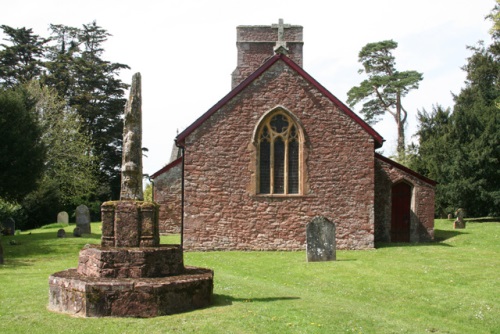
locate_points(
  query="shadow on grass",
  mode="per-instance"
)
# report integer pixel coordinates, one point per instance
(225, 300)
(22, 250)
(440, 236)
(443, 235)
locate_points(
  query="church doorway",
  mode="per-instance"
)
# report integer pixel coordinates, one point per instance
(400, 218)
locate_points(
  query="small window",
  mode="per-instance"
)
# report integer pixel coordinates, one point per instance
(278, 155)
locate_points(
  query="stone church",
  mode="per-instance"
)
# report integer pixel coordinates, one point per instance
(278, 150)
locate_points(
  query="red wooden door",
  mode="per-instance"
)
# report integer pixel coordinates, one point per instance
(401, 205)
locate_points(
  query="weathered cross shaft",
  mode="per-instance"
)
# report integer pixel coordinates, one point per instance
(131, 184)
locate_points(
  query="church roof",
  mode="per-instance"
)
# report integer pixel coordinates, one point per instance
(405, 169)
(167, 168)
(277, 57)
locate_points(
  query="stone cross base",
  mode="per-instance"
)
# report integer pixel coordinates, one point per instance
(75, 294)
(129, 224)
(165, 260)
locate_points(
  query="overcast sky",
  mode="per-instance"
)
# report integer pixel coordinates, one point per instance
(185, 50)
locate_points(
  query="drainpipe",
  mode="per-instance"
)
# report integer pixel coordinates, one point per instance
(182, 194)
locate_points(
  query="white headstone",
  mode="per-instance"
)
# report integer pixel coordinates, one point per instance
(62, 217)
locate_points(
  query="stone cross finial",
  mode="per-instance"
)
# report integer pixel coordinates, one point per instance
(131, 184)
(280, 46)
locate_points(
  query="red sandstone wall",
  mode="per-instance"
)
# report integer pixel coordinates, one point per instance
(222, 211)
(422, 207)
(167, 193)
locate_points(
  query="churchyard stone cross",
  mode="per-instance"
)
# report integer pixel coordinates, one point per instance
(130, 274)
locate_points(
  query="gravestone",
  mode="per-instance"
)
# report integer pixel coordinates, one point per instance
(83, 219)
(61, 233)
(321, 246)
(9, 226)
(62, 217)
(459, 223)
(77, 232)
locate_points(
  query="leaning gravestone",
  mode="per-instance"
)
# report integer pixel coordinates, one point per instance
(320, 235)
(9, 226)
(83, 219)
(62, 217)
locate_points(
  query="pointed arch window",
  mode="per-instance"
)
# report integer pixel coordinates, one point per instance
(279, 149)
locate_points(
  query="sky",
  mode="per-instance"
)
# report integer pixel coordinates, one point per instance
(185, 50)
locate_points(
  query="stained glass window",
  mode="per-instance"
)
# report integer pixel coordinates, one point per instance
(265, 162)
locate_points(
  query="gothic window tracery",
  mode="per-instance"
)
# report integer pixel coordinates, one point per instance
(278, 155)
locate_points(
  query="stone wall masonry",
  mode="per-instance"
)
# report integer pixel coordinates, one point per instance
(168, 195)
(422, 207)
(221, 211)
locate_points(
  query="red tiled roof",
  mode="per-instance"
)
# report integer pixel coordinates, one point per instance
(184, 134)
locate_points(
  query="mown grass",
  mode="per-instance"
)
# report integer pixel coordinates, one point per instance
(448, 286)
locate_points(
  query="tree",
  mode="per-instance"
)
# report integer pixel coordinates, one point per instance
(21, 61)
(60, 57)
(461, 150)
(68, 179)
(22, 152)
(385, 87)
(435, 153)
(91, 86)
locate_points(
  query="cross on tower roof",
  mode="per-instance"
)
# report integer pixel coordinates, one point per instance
(280, 46)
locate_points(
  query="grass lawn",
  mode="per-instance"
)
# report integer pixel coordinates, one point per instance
(448, 286)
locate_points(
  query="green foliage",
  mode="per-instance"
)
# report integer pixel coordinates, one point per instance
(78, 100)
(439, 287)
(385, 87)
(148, 193)
(12, 210)
(91, 86)
(21, 61)
(461, 150)
(68, 178)
(22, 152)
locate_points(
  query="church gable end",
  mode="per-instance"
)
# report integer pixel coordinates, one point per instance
(280, 150)
(226, 207)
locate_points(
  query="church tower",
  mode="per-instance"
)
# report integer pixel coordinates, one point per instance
(256, 44)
